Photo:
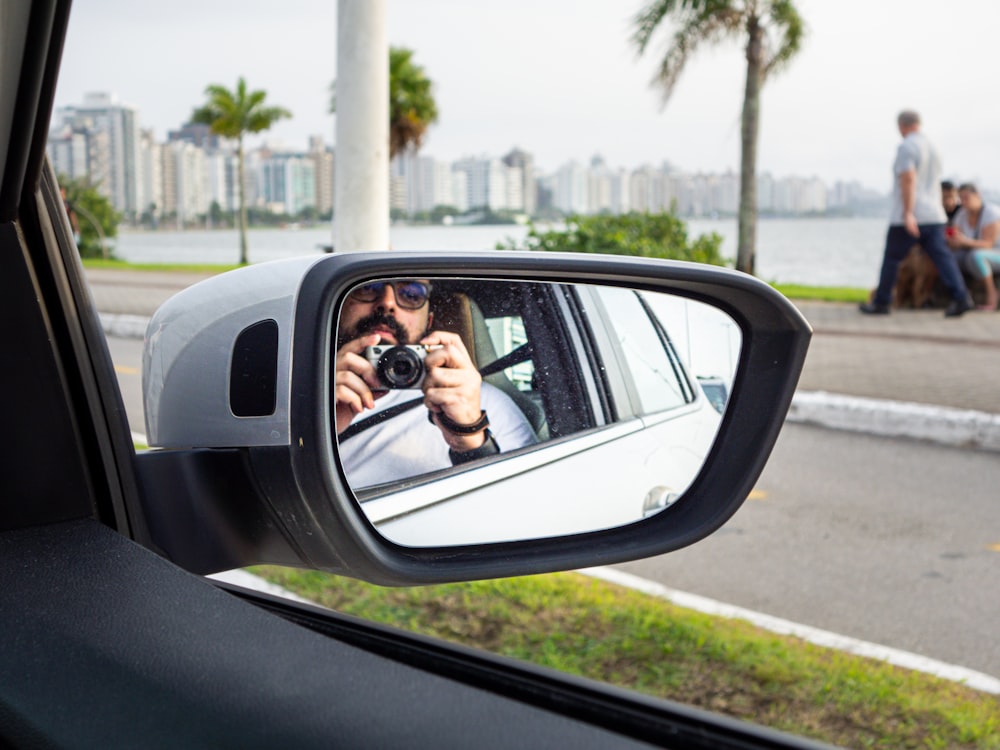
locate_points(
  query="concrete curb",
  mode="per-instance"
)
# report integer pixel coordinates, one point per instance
(124, 326)
(955, 427)
(905, 659)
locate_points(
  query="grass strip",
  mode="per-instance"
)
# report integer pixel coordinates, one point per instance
(122, 265)
(587, 627)
(792, 291)
(823, 293)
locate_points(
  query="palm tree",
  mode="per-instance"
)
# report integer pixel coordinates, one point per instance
(412, 108)
(773, 31)
(231, 114)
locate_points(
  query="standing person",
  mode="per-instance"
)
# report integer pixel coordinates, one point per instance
(917, 216)
(976, 240)
(71, 214)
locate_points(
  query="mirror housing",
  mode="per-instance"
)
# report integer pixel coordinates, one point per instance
(236, 381)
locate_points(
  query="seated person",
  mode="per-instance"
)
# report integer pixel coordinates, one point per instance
(976, 240)
(950, 200)
(460, 419)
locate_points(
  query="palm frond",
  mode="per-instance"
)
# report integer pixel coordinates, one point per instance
(648, 20)
(790, 29)
(714, 22)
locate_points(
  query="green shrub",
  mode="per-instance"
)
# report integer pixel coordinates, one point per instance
(661, 235)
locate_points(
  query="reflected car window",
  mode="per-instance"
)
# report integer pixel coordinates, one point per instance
(660, 383)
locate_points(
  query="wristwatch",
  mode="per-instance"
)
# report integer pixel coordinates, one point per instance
(460, 429)
(488, 448)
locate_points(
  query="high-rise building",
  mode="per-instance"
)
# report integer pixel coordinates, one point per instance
(150, 192)
(68, 150)
(190, 181)
(524, 161)
(102, 113)
(570, 190)
(289, 183)
(323, 164)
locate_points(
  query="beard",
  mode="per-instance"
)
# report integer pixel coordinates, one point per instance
(369, 323)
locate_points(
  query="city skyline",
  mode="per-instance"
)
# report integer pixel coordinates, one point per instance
(193, 173)
(561, 77)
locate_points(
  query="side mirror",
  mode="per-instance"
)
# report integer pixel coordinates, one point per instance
(631, 406)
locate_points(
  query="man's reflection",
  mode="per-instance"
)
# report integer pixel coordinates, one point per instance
(456, 416)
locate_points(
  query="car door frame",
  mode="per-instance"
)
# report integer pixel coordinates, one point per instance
(64, 570)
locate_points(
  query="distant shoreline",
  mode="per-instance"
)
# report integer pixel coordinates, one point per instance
(300, 227)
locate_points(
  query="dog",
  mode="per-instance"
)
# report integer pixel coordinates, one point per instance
(915, 281)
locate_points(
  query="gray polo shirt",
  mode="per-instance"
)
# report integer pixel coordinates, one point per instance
(917, 153)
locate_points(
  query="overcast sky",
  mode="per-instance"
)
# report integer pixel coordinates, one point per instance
(560, 79)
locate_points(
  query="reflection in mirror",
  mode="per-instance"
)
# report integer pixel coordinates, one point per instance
(471, 410)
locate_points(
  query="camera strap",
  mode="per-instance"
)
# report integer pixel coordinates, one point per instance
(378, 418)
(521, 354)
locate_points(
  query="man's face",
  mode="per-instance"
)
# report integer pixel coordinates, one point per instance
(949, 199)
(376, 309)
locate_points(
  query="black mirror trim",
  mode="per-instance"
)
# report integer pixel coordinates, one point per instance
(326, 521)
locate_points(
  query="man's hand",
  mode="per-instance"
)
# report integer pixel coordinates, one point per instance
(354, 379)
(452, 385)
(910, 223)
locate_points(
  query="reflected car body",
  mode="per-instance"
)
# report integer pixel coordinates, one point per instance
(663, 443)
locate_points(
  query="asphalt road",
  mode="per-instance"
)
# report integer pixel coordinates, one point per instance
(126, 354)
(891, 541)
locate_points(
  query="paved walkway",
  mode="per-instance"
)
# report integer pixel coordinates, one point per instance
(910, 355)
(885, 365)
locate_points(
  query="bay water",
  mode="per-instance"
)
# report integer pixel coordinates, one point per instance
(814, 251)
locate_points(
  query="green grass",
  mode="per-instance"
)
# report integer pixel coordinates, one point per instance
(179, 267)
(823, 293)
(591, 628)
(792, 291)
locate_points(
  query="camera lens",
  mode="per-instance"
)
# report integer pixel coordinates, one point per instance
(400, 367)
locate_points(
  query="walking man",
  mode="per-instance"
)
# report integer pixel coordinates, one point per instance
(917, 216)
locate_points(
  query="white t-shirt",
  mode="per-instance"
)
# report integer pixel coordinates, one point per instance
(408, 444)
(917, 153)
(988, 215)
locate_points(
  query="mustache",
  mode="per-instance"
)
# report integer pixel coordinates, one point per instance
(369, 323)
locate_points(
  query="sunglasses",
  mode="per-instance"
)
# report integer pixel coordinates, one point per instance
(410, 295)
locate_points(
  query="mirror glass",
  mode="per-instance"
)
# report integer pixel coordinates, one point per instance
(471, 410)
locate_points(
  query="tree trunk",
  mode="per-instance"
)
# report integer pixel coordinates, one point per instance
(243, 204)
(746, 248)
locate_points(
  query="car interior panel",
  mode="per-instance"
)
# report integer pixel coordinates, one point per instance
(113, 635)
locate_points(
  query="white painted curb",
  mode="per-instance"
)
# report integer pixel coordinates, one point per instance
(896, 657)
(124, 326)
(939, 424)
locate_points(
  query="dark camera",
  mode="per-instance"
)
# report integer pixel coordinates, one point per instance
(398, 366)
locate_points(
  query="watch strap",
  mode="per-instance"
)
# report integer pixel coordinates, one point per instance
(460, 429)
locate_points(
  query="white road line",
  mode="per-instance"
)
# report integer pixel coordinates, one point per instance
(138, 437)
(968, 677)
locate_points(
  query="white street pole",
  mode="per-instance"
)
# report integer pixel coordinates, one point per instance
(361, 202)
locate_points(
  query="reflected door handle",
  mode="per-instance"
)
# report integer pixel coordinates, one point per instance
(657, 499)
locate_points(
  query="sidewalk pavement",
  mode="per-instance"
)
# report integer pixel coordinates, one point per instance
(913, 373)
